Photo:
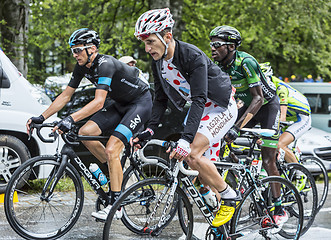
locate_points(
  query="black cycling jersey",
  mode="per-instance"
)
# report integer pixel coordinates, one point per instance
(120, 80)
(205, 78)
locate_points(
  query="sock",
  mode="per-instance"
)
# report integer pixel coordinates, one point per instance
(278, 206)
(114, 196)
(228, 193)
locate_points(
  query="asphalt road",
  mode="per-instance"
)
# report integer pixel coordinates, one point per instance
(88, 229)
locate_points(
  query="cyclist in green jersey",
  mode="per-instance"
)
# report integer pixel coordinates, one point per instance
(294, 106)
(258, 93)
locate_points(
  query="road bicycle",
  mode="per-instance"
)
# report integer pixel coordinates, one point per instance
(50, 189)
(315, 166)
(151, 202)
(294, 172)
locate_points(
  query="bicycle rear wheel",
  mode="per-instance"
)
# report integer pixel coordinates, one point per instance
(35, 217)
(253, 218)
(144, 203)
(302, 179)
(318, 170)
(146, 170)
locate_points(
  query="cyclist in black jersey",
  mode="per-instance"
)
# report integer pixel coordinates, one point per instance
(258, 93)
(121, 106)
(182, 73)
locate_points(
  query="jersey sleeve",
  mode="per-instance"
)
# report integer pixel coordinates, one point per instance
(76, 77)
(251, 73)
(106, 72)
(282, 93)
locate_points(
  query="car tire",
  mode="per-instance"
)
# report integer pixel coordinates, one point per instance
(13, 152)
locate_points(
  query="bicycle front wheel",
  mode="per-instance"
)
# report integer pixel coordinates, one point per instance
(147, 205)
(253, 217)
(40, 216)
(318, 170)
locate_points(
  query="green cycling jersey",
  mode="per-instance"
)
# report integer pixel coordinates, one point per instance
(295, 101)
(245, 72)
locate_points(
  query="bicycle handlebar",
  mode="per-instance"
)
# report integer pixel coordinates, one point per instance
(38, 127)
(166, 145)
(69, 138)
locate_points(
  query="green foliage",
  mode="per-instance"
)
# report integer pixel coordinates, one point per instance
(293, 35)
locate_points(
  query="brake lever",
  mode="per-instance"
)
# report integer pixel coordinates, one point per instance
(30, 131)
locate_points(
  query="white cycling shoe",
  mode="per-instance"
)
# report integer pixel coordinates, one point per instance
(103, 214)
(280, 220)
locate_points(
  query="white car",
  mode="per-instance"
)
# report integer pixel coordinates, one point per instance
(317, 143)
(19, 100)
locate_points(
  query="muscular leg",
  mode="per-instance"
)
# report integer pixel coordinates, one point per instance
(113, 150)
(207, 170)
(285, 139)
(269, 164)
(95, 147)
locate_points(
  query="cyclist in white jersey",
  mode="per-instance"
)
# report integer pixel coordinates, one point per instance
(182, 73)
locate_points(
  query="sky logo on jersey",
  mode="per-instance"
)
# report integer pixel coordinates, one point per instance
(102, 60)
(135, 122)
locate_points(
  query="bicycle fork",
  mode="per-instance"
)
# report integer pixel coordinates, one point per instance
(53, 179)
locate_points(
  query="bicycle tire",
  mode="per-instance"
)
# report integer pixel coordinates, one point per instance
(156, 170)
(132, 175)
(311, 160)
(252, 219)
(308, 193)
(33, 218)
(139, 200)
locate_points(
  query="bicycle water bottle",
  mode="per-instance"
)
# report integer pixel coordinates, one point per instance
(209, 197)
(94, 168)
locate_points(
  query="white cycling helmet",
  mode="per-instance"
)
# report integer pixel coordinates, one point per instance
(154, 21)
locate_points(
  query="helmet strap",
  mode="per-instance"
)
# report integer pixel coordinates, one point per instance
(88, 56)
(165, 44)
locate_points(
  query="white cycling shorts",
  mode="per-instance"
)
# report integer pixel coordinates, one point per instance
(215, 124)
(302, 125)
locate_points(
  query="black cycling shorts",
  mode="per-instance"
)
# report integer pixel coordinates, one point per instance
(267, 116)
(124, 120)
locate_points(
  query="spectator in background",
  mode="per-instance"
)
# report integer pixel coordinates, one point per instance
(128, 60)
(293, 78)
(286, 79)
(309, 79)
(319, 79)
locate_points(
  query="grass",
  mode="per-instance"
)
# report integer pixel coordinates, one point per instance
(65, 184)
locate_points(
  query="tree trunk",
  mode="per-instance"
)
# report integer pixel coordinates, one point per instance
(175, 7)
(14, 28)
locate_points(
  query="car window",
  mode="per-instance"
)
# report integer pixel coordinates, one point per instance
(319, 103)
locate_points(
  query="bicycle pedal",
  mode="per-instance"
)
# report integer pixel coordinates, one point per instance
(99, 220)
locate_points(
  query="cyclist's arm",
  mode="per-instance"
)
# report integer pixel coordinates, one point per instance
(92, 107)
(160, 102)
(282, 93)
(254, 107)
(251, 71)
(283, 110)
(59, 102)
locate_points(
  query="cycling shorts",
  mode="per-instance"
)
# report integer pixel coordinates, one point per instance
(215, 124)
(299, 127)
(124, 120)
(267, 117)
